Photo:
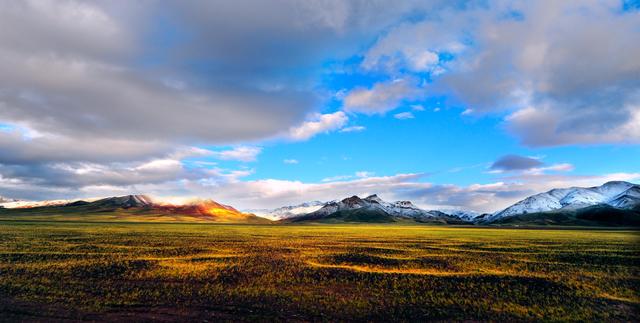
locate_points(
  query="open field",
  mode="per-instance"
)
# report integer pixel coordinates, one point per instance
(117, 271)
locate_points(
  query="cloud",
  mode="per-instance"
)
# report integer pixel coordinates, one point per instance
(75, 175)
(547, 126)
(564, 167)
(515, 162)
(364, 174)
(240, 153)
(165, 178)
(19, 148)
(416, 47)
(107, 87)
(101, 97)
(526, 166)
(353, 129)
(290, 161)
(382, 97)
(175, 72)
(490, 197)
(66, 70)
(570, 81)
(337, 178)
(403, 115)
(322, 123)
(359, 174)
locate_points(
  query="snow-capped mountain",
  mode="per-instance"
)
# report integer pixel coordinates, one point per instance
(126, 201)
(12, 204)
(628, 199)
(4, 200)
(465, 215)
(618, 194)
(289, 211)
(372, 203)
(118, 201)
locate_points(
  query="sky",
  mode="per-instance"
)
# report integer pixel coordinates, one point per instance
(259, 104)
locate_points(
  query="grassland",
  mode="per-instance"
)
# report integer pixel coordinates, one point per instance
(186, 272)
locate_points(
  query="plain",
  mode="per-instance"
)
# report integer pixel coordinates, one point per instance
(188, 271)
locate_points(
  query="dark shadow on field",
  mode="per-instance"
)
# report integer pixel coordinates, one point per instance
(370, 296)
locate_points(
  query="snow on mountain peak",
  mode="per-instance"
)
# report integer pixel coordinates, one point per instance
(373, 198)
(404, 209)
(613, 188)
(465, 215)
(288, 211)
(616, 194)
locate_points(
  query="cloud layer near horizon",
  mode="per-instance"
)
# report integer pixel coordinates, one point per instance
(229, 188)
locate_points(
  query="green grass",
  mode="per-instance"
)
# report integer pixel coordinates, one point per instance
(185, 272)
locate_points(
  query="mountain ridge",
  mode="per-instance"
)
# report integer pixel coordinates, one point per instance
(613, 193)
(142, 207)
(562, 206)
(372, 209)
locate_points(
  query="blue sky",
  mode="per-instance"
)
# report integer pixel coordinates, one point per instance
(467, 104)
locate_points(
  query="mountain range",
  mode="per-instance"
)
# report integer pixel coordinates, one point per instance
(372, 209)
(136, 208)
(611, 204)
(289, 211)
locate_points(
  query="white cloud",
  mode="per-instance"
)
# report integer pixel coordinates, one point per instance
(359, 174)
(290, 161)
(413, 46)
(240, 153)
(424, 61)
(467, 112)
(382, 97)
(564, 167)
(353, 129)
(321, 123)
(71, 70)
(169, 179)
(364, 174)
(479, 197)
(417, 107)
(337, 178)
(559, 87)
(403, 115)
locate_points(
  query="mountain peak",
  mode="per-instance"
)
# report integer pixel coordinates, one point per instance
(354, 200)
(373, 198)
(288, 211)
(610, 183)
(126, 201)
(374, 209)
(405, 204)
(611, 194)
